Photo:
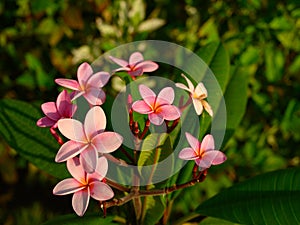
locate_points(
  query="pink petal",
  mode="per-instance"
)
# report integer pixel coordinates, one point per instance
(208, 143)
(203, 164)
(147, 94)
(88, 159)
(50, 110)
(95, 122)
(64, 105)
(200, 90)
(198, 106)
(213, 157)
(120, 62)
(207, 108)
(100, 191)
(170, 112)
(187, 154)
(95, 96)
(68, 83)
(165, 96)
(101, 170)
(76, 169)
(72, 129)
(135, 58)
(45, 122)
(98, 80)
(77, 94)
(190, 84)
(80, 201)
(107, 142)
(156, 118)
(147, 66)
(69, 150)
(83, 73)
(136, 72)
(194, 143)
(67, 186)
(142, 107)
(182, 86)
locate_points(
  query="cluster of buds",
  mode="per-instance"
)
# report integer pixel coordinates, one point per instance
(89, 145)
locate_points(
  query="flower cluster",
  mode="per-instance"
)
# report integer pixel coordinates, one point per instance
(89, 145)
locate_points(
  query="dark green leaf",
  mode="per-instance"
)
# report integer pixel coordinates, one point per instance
(154, 209)
(72, 219)
(216, 221)
(235, 100)
(271, 198)
(216, 57)
(18, 128)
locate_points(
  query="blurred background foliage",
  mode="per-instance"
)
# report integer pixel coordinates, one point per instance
(44, 40)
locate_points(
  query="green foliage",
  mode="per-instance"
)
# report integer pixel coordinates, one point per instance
(18, 128)
(92, 219)
(44, 40)
(270, 198)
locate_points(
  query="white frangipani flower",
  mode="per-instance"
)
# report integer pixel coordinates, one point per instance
(198, 95)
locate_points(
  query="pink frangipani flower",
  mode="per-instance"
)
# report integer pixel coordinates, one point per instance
(84, 185)
(89, 84)
(136, 65)
(198, 95)
(87, 139)
(203, 153)
(158, 108)
(54, 111)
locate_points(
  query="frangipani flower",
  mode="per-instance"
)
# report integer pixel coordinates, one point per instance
(84, 185)
(203, 153)
(136, 65)
(89, 85)
(87, 139)
(54, 111)
(198, 95)
(158, 107)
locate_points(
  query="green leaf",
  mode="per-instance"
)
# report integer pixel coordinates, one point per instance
(270, 198)
(18, 128)
(216, 57)
(154, 208)
(274, 63)
(216, 221)
(235, 100)
(72, 219)
(151, 25)
(155, 148)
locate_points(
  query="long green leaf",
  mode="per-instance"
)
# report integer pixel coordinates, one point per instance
(18, 128)
(271, 198)
(216, 221)
(235, 100)
(155, 206)
(72, 219)
(155, 149)
(216, 57)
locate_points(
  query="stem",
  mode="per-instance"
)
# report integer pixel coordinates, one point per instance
(146, 128)
(136, 193)
(129, 157)
(189, 101)
(173, 126)
(115, 160)
(56, 136)
(117, 186)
